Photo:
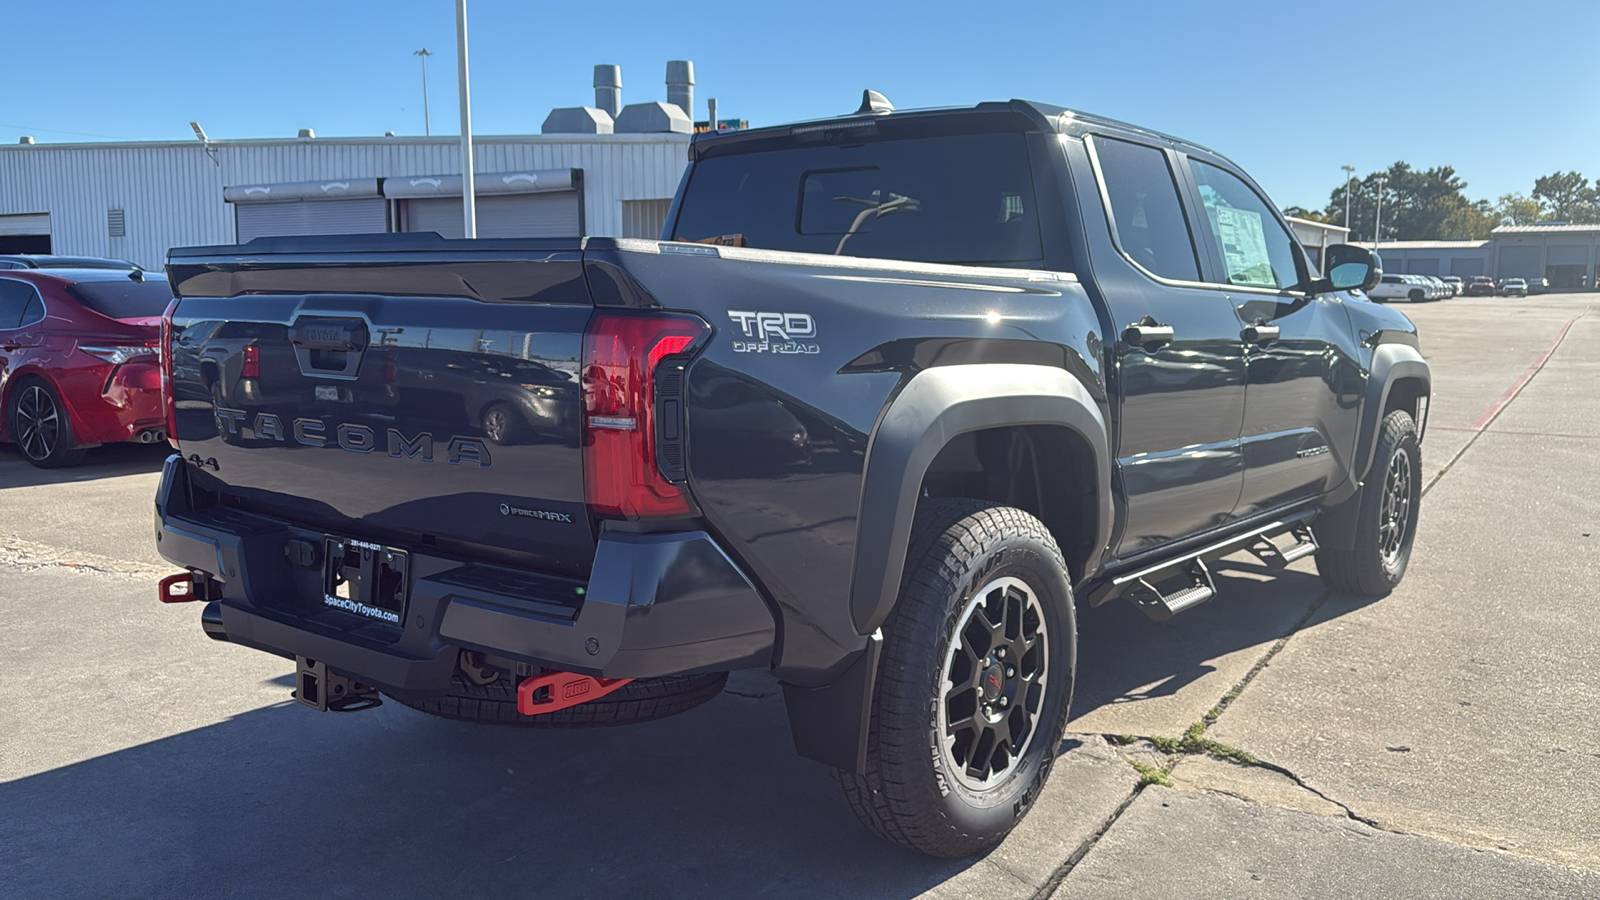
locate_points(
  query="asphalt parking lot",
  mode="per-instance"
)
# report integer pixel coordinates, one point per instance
(1441, 742)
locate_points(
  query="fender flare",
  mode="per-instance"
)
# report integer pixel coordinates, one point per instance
(1391, 362)
(936, 405)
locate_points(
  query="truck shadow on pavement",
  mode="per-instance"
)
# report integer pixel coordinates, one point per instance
(279, 801)
(108, 461)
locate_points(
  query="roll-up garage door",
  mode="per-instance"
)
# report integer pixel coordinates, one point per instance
(366, 216)
(1519, 262)
(347, 206)
(555, 214)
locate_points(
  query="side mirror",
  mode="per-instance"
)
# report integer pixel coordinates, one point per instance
(1349, 268)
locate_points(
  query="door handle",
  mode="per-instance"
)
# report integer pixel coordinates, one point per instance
(1147, 334)
(1260, 334)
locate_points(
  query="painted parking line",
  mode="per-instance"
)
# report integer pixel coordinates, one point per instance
(1522, 381)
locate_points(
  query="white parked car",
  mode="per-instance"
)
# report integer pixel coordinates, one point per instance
(1404, 287)
(1455, 283)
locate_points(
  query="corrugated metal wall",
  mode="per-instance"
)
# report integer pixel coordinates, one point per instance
(172, 193)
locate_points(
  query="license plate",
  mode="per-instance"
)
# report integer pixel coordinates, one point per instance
(327, 392)
(365, 579)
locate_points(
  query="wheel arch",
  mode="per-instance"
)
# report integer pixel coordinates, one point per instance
(1399, 378)
(1012, 405)
(21, 377)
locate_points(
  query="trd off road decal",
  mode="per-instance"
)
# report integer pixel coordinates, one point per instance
(774, 332)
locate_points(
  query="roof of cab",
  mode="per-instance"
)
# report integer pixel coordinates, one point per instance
(1044, 116)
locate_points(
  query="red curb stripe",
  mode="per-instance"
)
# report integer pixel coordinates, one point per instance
(1520, 383)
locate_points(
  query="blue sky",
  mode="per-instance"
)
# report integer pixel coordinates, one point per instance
(1504, 91)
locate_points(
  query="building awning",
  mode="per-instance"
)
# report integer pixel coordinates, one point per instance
(526, 182)
(333, 189)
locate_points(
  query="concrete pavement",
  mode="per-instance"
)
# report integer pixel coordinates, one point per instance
(139, 759)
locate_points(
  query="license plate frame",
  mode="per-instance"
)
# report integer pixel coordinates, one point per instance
(366, 579)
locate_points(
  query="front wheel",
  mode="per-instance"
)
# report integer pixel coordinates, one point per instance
(40, 426)
(974, 684)
(1416, 296)
(1384, 517)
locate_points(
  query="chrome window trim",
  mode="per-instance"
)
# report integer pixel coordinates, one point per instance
(1116, 240)
(1111, 221)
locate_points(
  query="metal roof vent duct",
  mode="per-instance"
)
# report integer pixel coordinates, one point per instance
(26, 140)
(577, 120)
(608, 89)
(680, 85)
(654, 117)
(307, 134)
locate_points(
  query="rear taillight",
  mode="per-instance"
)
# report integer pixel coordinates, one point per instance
(168, 401)
(252, 362)
(620, 355)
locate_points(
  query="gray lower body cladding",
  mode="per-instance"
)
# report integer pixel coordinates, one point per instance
(654, 605)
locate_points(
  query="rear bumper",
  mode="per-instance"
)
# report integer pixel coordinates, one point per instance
(111, 404)
(655, 604)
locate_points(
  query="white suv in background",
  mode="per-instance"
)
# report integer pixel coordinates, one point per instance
(1405, 287)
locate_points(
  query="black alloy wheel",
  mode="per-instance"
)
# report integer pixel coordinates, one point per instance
(1394, 527)
(993, 683)
(40, 427)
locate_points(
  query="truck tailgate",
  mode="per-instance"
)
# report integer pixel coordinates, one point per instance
(428, 398)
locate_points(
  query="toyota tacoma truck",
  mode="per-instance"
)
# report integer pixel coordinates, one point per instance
(891, 397)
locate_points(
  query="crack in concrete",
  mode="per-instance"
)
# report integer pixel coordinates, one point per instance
(19, 553)
(1062, 871)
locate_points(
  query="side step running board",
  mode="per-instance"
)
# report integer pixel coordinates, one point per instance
(1161, 607)
(1267, 550)
(1166, 588)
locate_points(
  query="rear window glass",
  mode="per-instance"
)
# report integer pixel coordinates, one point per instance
(124, 298)
(949, 199)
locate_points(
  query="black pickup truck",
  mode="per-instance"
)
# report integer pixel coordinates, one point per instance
(891, 395)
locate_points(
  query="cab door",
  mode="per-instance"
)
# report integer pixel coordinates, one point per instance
(1302, 390)
(1178, 367)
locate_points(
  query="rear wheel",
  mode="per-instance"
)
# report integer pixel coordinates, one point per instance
(1384, 517)
(40, 426)
(480, 693)
(1416, 296)
(974, 684)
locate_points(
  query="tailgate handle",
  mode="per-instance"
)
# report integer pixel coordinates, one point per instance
(328, 347)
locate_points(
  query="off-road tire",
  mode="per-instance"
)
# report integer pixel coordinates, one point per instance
(52, 451)
(638, 701)
(1362, 567)
(908, 795)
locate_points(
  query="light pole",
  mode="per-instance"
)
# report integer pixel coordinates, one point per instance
(1349, 173)
(427, 124)
(469, 207)
(1377, 227)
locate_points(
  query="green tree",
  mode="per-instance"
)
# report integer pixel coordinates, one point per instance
(1567, 197)
(1468, 222)
(1416, 204)
(1515, 209)
(1313, 215)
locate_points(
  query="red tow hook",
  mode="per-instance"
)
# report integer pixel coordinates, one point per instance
(566, 689)
(178, 588)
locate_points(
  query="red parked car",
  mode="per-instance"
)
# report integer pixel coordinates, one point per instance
(79, 360)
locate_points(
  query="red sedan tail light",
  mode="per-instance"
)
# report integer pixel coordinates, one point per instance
(620, 355)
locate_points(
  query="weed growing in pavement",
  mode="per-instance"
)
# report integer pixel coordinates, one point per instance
(1149, 774)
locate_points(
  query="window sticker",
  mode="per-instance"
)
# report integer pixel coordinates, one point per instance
(1244, 246)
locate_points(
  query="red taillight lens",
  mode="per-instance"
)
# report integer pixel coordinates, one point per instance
(168, 401)
(620, 354)
(252, 362)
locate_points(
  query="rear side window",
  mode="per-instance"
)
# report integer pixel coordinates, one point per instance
(124, 298)
(948, 199)
(1151, 228)
(15, 298)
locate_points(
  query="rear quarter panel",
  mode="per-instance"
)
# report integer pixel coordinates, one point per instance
(782, 408)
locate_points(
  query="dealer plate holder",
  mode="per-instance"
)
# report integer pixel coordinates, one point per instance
(366, 579)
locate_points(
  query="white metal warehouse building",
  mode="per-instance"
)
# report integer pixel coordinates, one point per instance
(134, 201)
